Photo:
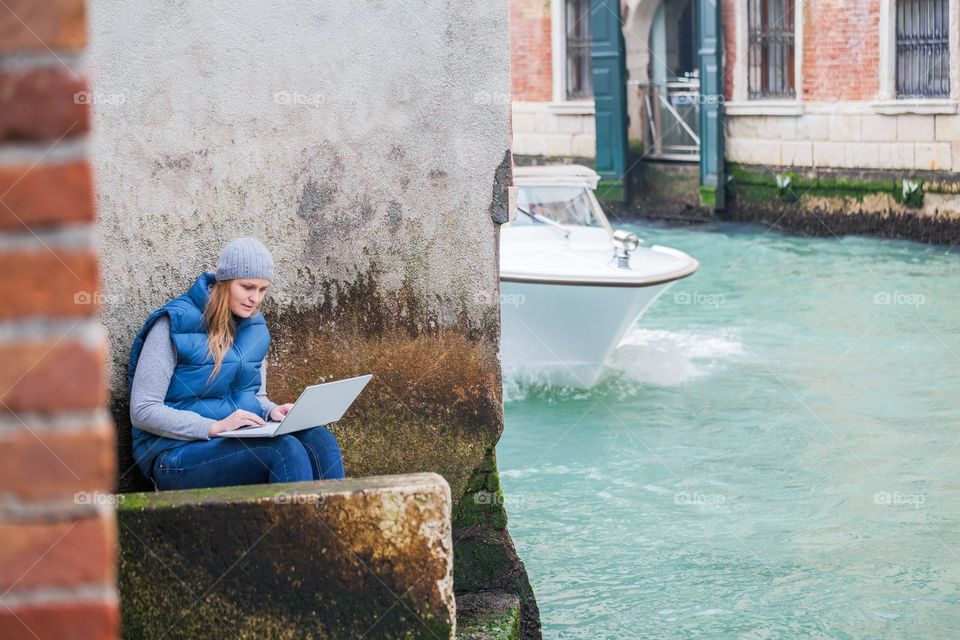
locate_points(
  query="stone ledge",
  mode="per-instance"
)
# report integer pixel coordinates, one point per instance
(325, 559)
(259, 493)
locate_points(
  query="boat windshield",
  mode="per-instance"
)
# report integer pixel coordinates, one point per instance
(572, 206)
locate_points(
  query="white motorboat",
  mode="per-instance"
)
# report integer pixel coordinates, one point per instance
(570, 285)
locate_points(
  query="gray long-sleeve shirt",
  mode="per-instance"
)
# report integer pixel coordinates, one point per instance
(151, 380)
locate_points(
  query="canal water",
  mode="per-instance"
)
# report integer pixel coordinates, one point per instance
(776, 453)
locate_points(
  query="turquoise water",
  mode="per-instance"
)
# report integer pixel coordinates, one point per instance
(775, 454)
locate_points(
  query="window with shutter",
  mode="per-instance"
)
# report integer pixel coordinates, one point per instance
(923, 49)
(579, 82)
(771, 53)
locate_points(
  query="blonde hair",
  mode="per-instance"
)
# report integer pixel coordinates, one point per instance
(220, 325)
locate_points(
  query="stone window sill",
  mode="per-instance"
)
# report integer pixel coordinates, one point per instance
(763, 108)
(923, 107)
(876, 107)
(570, 108)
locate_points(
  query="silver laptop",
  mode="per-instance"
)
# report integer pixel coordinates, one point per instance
(318, 404)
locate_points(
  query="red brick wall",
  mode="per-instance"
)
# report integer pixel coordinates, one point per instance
(729, 24)
(841, 50)
(531, 63)
(57, 443)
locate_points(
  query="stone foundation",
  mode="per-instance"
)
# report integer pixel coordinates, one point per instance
(667, 191)
(484, 558)
(869, 140)
(554, 129)
(913, 205)
(836, 202)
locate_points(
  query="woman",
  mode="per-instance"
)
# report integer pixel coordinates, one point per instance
(197, 369)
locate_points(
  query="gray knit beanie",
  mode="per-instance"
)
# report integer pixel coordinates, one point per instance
(245, 258)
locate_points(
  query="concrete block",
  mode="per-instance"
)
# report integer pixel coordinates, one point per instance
(766, 152)
(584, 145)
(906, 154)
(526, 144)
(898, 155)
(743, 126)
(813, 127)
(524, 122)
(329, 559)
(557, 144)
(947, 128)
(863, 155)
(845, 128)
(829, 154)
(877, 128)
(764, 129)
(889, 157)
(735, 149)
(915, 128)
(534, 145)
(571, 123)
(797, 154)
(780, 128)
(933, 156)
(544, 123)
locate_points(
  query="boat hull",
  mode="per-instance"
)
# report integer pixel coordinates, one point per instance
(563, 334)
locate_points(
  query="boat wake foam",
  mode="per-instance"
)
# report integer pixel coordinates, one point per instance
(645, 357)
(669, 358)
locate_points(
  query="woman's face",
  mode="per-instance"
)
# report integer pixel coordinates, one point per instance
(246, 294)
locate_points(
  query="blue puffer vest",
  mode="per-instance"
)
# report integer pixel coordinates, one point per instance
(236, 384)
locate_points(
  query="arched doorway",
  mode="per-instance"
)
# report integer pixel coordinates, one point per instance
(664, 94)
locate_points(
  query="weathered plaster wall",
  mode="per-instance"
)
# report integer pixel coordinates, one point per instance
(346, 136)
(342, 134)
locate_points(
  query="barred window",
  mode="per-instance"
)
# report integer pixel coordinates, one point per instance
(923, 49)
(770, 57)
(579, 80)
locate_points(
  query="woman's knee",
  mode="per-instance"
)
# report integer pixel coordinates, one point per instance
(323, 446)
(321, 437)
(288, 447)
(292, 457)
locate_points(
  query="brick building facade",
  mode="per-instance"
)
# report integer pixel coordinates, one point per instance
(839, 101)
(530, 44)
(547, 119)
(849, 109)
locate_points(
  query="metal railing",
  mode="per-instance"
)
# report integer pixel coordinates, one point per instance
(770, 63)
(579, 75)
(671, 116)
(923, 48)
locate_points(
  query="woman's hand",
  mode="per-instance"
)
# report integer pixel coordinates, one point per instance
(235, 420)
(280, 411)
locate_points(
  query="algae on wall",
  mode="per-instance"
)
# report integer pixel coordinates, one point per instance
(913, 205)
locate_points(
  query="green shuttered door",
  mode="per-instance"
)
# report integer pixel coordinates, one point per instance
(711, 105)
(607, 56)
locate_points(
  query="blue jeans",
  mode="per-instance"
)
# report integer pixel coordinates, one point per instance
(310, 454)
